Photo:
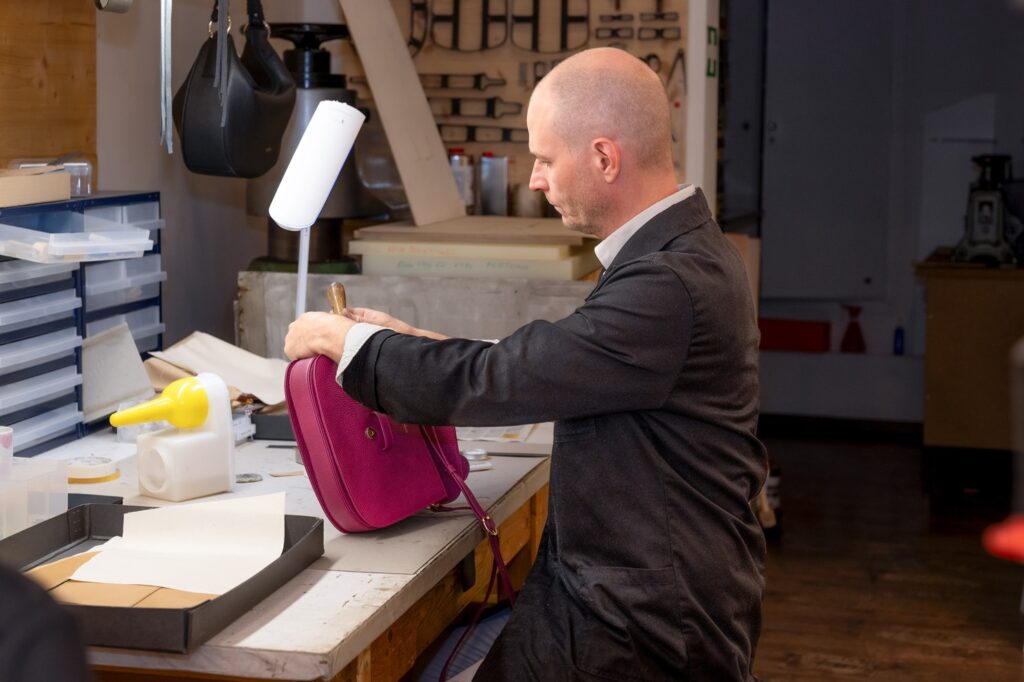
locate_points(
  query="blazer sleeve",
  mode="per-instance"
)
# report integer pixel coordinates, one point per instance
(622, 350)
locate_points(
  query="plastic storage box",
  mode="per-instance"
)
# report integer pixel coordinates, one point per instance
(144, 323)
(55, 236)
(123, 281)
(31, 491)
(57, 425)
(38, 389)
(38, 310)
(37, 350)
(21, 279)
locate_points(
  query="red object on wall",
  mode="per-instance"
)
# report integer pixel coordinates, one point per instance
(808, 336)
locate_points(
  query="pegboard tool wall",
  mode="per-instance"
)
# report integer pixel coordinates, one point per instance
(479, 61)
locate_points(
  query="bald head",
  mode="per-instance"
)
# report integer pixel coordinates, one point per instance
(606, 92)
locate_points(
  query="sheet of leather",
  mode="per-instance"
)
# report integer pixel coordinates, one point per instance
(165, 598)
(56, 572)
(101, 594)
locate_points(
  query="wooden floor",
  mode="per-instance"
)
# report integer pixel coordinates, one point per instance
(879, 574)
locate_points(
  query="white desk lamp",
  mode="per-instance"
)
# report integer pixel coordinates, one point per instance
(311, 174)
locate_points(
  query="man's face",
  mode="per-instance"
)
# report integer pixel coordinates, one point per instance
(564, 174)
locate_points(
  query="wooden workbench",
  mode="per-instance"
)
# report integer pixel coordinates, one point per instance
(374, 602)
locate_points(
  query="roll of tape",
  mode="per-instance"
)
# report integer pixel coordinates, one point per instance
(91, 469)
(119, 6)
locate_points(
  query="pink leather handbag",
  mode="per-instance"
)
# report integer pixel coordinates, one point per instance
(368, 471)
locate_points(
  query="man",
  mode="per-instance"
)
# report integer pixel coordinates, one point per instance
(39, 640)
(650, 567)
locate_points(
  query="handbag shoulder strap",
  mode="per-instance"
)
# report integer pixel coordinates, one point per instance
(488, 524)
(498, 567)
(254, 8)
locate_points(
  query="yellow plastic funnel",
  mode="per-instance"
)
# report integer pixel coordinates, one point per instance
(183, 403)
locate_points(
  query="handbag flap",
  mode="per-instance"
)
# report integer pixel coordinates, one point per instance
(368, 471)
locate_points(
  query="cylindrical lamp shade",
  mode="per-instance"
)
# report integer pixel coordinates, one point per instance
(314, 167)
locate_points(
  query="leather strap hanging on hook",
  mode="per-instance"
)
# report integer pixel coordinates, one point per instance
(166, 124)
(231, 111)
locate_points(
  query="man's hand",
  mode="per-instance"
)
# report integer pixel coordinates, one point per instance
(317, 334)
(384, 320)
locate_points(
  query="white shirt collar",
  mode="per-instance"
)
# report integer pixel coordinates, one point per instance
(610, 246)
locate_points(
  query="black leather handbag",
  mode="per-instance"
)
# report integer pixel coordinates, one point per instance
(231, 112)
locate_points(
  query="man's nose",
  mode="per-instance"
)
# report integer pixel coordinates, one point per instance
(537, 181)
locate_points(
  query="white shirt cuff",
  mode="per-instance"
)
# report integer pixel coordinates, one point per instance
(358, 335)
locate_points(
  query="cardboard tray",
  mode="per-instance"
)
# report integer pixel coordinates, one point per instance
(177, 630)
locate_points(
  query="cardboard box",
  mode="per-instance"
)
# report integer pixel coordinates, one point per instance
(34, 185)
(142, 616)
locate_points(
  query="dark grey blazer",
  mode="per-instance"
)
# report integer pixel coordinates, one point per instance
(651, 564)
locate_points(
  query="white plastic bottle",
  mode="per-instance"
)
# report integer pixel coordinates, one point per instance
(196, 456)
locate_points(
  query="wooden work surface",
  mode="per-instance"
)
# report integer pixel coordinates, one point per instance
(974, 318)
(367, 608)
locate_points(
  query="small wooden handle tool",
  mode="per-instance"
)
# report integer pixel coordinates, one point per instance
(336, 295)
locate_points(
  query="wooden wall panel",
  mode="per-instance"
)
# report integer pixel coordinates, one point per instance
(47, 78)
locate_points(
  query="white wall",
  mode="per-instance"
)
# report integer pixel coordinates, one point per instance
(956, 92)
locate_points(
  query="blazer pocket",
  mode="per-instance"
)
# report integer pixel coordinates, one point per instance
(632, 631)
(580, 428)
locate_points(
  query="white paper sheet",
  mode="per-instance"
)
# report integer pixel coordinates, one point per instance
(248, 372)
(208, 547)
(498, 434)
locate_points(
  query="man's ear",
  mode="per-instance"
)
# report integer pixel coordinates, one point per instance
(607, 158)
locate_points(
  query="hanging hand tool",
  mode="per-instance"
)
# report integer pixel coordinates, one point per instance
(455, 81)
(573, 28)
(667, 33)
(659, 16)
(453, 29)
(464, 133)
(484, 107)
(676, 92)
(614, 33)
(419, 20)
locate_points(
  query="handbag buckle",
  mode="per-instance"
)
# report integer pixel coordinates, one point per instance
(210, 30)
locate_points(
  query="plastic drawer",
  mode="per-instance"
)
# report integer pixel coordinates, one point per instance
(150, 226)
(148, 343)
(27, 312)
(46, 427)
(143, 322)
(38, 350)
(69, 397)
(38, 389)
(18, 273)
(22, 279)
(102, 278)
(114, 213)
(56, 236)
(130, 294)
(142, 211)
